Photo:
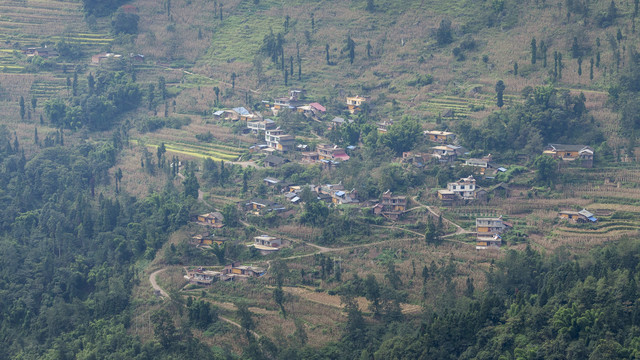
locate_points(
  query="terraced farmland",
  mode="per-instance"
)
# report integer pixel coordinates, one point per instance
(48, 87)
(216, 152)
(458, 107)
(36, 18)
(37, 22)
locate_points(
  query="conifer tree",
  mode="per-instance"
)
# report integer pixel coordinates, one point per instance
(499, 93)
(326, 49)
(22, 109)
(580, 66)
(534, 50)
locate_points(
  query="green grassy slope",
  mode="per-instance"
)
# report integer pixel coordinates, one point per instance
(402, 36)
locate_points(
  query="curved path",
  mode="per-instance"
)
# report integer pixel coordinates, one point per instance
(154, 284)
(459, 228)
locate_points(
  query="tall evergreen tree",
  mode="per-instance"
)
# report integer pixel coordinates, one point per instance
(326, 49)
(22, 108)
(91, 83)
(560, 66)
(162, 88)
(499, 93)
(534, 50)
(371, 6)
(580, 66)
(191, 185)
(74, 86)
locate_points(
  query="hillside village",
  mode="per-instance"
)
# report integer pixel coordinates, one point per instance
(372, 179)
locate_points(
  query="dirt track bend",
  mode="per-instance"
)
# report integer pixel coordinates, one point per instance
(154, 284)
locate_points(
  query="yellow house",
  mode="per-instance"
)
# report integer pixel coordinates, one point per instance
(212, 219)
(207, 240)
(582, 153)
(354, 103)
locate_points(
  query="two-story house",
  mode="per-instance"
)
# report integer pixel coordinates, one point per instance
(391, 206)
(261, 125)
(331, 152)
(465, 188)
(488, 241)
(447, 153)
(488, 232)
(494, 225)
(277, 139)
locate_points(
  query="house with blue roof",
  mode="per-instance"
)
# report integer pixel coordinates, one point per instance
(582, 216)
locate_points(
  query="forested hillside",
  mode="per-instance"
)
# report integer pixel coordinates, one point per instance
(193, 179)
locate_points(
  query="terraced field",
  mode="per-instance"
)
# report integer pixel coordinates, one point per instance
(37, 22)
(216, 152)
(46, 87)
(457, 107)
(39, 18)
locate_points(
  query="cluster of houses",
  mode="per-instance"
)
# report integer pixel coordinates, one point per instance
(236, 114)
(42, 51)
(326, 154)
(294, 102)
(232, 272)
(97, 59)
(328, 193)
(445, 150)
(265, 244)
(207, 240)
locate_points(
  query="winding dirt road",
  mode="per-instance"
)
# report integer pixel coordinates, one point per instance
(154, 284)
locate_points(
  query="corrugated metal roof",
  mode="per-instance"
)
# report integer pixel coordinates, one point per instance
(241, 110)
